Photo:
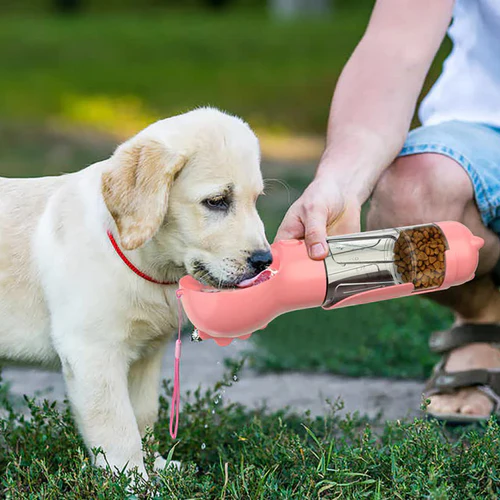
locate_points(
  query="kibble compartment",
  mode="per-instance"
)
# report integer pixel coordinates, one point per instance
(420, 256)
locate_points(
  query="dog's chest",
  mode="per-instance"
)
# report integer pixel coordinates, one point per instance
(152, 322)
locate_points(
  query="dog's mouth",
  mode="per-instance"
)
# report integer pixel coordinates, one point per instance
(205, 277)
(201, 273)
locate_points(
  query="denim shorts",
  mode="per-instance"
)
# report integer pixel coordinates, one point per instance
(476, 148)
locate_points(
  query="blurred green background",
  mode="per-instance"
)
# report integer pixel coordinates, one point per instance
(77, 77)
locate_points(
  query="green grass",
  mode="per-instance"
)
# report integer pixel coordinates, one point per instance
(33, 150)
(116, 71)
(233, 453)
(271, 73)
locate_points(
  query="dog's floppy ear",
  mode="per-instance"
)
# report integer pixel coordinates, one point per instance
(136, 189)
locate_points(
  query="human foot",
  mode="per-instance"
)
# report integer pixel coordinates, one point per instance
(467, 400)
(465, 385)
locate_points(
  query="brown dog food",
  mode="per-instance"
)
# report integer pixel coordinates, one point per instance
(419, 256)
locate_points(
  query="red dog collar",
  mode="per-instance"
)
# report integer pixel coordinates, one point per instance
(132, 267)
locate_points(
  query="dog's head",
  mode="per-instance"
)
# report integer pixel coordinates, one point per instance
(187, 188)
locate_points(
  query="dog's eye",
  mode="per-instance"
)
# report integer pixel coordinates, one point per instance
(218, 203)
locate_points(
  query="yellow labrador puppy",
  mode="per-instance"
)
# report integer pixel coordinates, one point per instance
(177, 198)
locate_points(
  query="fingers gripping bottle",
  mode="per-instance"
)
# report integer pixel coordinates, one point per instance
(359, 269)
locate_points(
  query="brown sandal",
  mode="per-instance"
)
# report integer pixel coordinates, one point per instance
(443, 382)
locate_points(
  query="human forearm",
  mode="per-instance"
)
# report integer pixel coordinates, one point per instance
(376, 94)
(370, 117)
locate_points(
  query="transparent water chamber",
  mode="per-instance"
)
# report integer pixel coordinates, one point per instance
(377, 259)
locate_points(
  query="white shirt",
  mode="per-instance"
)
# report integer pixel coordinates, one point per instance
(469, 86)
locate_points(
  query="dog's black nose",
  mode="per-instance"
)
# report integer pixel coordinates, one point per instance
(260, 260)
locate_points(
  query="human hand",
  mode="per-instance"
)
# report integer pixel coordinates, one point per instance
(325, 208)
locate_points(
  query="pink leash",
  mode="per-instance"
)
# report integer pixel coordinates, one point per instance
(176, 395)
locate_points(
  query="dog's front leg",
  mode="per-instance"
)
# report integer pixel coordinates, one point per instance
(96, 379)
(144, 388)
(144, 385)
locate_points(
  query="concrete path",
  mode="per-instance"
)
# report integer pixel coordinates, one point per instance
(203, 364)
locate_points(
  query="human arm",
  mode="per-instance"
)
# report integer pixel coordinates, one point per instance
(370, 115)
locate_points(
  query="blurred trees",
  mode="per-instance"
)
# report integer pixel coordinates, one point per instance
(68, 6)
(217, 4)
(286, 7)
(296, 8)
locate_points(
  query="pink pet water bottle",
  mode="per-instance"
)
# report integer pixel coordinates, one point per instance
(360, 268)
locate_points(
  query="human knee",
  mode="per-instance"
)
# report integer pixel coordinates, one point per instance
(419, 189)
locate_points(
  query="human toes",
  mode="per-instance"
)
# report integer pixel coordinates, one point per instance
(444, 403)
(476, 403)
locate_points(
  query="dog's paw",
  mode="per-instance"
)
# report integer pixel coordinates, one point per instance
(175, 464)
(139, 477)
(162, 464)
